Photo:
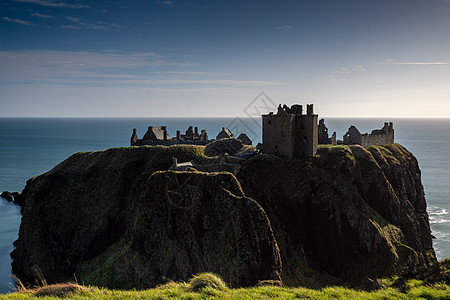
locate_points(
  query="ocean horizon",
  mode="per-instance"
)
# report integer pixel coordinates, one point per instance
(31, 146)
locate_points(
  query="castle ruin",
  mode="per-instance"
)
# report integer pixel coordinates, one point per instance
(159, 136)
(378, 137)
(323, 134)
(289, 132)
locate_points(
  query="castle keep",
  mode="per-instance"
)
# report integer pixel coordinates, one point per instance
(289, 132)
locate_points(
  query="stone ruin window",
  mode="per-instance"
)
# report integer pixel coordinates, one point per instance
(276, 147)
(282, 134)
(305, 138)
(269, 122)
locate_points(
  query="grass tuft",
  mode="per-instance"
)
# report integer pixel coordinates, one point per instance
(205, 280)
(58, 290)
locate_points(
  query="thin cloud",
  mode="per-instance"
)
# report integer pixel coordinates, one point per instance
(42, 16)
(188, 73)
(218, 82)
(105, 69)
(348, 70)
(80, 24)
(49, 3)
(73, 19)
(393, 62)
(18, 21)
(166, 2)
(284, 27)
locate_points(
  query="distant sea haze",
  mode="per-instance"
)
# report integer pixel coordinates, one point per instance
(31, 146)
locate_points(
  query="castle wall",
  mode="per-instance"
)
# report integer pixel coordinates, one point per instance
(379, 137)
(278, 135)
(353, 136)
(306, 135)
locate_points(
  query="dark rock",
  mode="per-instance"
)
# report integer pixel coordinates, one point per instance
(230, 146)
(351, 213)
(7, 196)
(112, 219)
(13, 197)
(118, 218)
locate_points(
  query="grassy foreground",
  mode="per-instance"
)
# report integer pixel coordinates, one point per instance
(210, 286)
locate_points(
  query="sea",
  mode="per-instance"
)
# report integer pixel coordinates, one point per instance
(31, 146)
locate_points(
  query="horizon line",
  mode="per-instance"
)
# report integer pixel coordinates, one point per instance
(213, 117)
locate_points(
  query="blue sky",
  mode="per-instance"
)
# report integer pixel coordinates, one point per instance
(384, 58)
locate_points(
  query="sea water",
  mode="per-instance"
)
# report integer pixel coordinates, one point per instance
(31, 146)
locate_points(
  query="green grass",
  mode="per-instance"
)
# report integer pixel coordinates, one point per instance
(208, 285)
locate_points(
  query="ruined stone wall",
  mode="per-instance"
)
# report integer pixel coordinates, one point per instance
(379, 137)
(306, 135)
(353, 136)
(170, 142)
(278, 135)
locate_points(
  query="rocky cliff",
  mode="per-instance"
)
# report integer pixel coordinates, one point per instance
(119, 218)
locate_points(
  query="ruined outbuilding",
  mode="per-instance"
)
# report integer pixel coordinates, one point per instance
(244, 139)
(378, 137)
(159, 136)
(323, 134)
(225, 134)
(289, 132)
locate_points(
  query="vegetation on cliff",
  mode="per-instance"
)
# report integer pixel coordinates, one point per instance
(120, 219)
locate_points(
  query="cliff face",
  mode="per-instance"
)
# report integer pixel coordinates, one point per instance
(352, 213)
(118, 218)
(114, 219)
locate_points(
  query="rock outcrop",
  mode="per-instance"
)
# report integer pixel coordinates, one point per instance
(14, 197)
(114, 219)
(353, 213)
(118, 218)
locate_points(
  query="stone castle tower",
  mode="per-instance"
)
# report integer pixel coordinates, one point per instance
(289, 132)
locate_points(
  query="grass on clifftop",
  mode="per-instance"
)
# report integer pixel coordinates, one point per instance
(208, 285)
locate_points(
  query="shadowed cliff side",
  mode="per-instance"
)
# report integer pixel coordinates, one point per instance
(351, 213)
(118, 218)
(115, 221)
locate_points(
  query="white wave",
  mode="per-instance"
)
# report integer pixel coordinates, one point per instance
(434, 210)
(438, 220)
(440, 235)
